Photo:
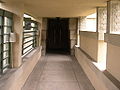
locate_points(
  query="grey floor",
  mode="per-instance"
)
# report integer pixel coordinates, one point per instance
(57, 72)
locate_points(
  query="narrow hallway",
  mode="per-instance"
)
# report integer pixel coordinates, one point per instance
(57, 72)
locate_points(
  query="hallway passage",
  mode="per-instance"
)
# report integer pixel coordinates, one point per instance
(57, 72)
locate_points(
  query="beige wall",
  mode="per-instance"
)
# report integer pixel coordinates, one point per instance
(18, 12)
(16, 79)
(43, 35)
(113, 60)
(92, 46)
(113, 54)
(102, 51)
(89, 43)
(39, 32)
(73, 33)
(97, 78)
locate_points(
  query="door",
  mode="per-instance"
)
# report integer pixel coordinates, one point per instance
(58, 36)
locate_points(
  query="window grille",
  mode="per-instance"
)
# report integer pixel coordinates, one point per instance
(6, 21)
(29, 35)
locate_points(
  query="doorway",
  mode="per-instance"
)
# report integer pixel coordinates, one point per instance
(58, 36)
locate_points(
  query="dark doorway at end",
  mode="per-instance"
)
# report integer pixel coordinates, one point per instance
(58, 36)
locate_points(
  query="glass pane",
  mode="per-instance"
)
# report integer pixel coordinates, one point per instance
(5, 62)
(7, 21)
(27, 49)
(6, 38)
(7, 30)
(0, 30)
(0, 20)
(29, 31)
(33, 24)
(0, 39)
(5, 54)
(6, 47)
(0, 50)
(27, 39)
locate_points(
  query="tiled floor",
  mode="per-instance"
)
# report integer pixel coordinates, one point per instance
(57, 72)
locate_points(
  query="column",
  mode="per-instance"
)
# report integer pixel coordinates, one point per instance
(17, 46)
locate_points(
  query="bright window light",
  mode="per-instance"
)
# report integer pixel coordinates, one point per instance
(89, 23)
(100, 65)
(27, 16)
(91, 16)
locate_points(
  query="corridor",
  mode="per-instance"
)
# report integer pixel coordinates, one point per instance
(57, 72)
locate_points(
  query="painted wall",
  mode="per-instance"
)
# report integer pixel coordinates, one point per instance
(22, 68)
(113, 54)
(16, 79)
(89, 43)
(18, 11)
(43, 35)
(73, 33)
(113, 60)
(102, 49)
(97, 78)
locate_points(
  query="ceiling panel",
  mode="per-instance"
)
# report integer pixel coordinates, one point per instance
(59, 8)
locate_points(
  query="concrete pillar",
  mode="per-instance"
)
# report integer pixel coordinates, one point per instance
(73, 33)
(101, 30)
(17, 46)
(39, 33)
(44, 28)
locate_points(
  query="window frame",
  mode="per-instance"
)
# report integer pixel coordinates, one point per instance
(7, 59)
(31, 30)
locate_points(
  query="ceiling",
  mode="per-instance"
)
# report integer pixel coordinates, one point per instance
(59, 8)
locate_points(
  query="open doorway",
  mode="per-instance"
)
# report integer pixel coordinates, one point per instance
(58, 36)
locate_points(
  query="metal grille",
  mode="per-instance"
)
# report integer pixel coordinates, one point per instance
(29, 35)
(5, 45)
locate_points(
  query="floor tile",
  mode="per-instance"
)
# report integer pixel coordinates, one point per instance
(58, 72)
(58, 76)
(58, 86)
(59, 66)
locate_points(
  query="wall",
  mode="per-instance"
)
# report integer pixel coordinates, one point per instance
(17, 10)
(73, 33)
(89, 43)
(72, 28)
(97, 78)
(43, 35)
(16, 79)
(102, 51)
(22, 67)
(113, 54)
